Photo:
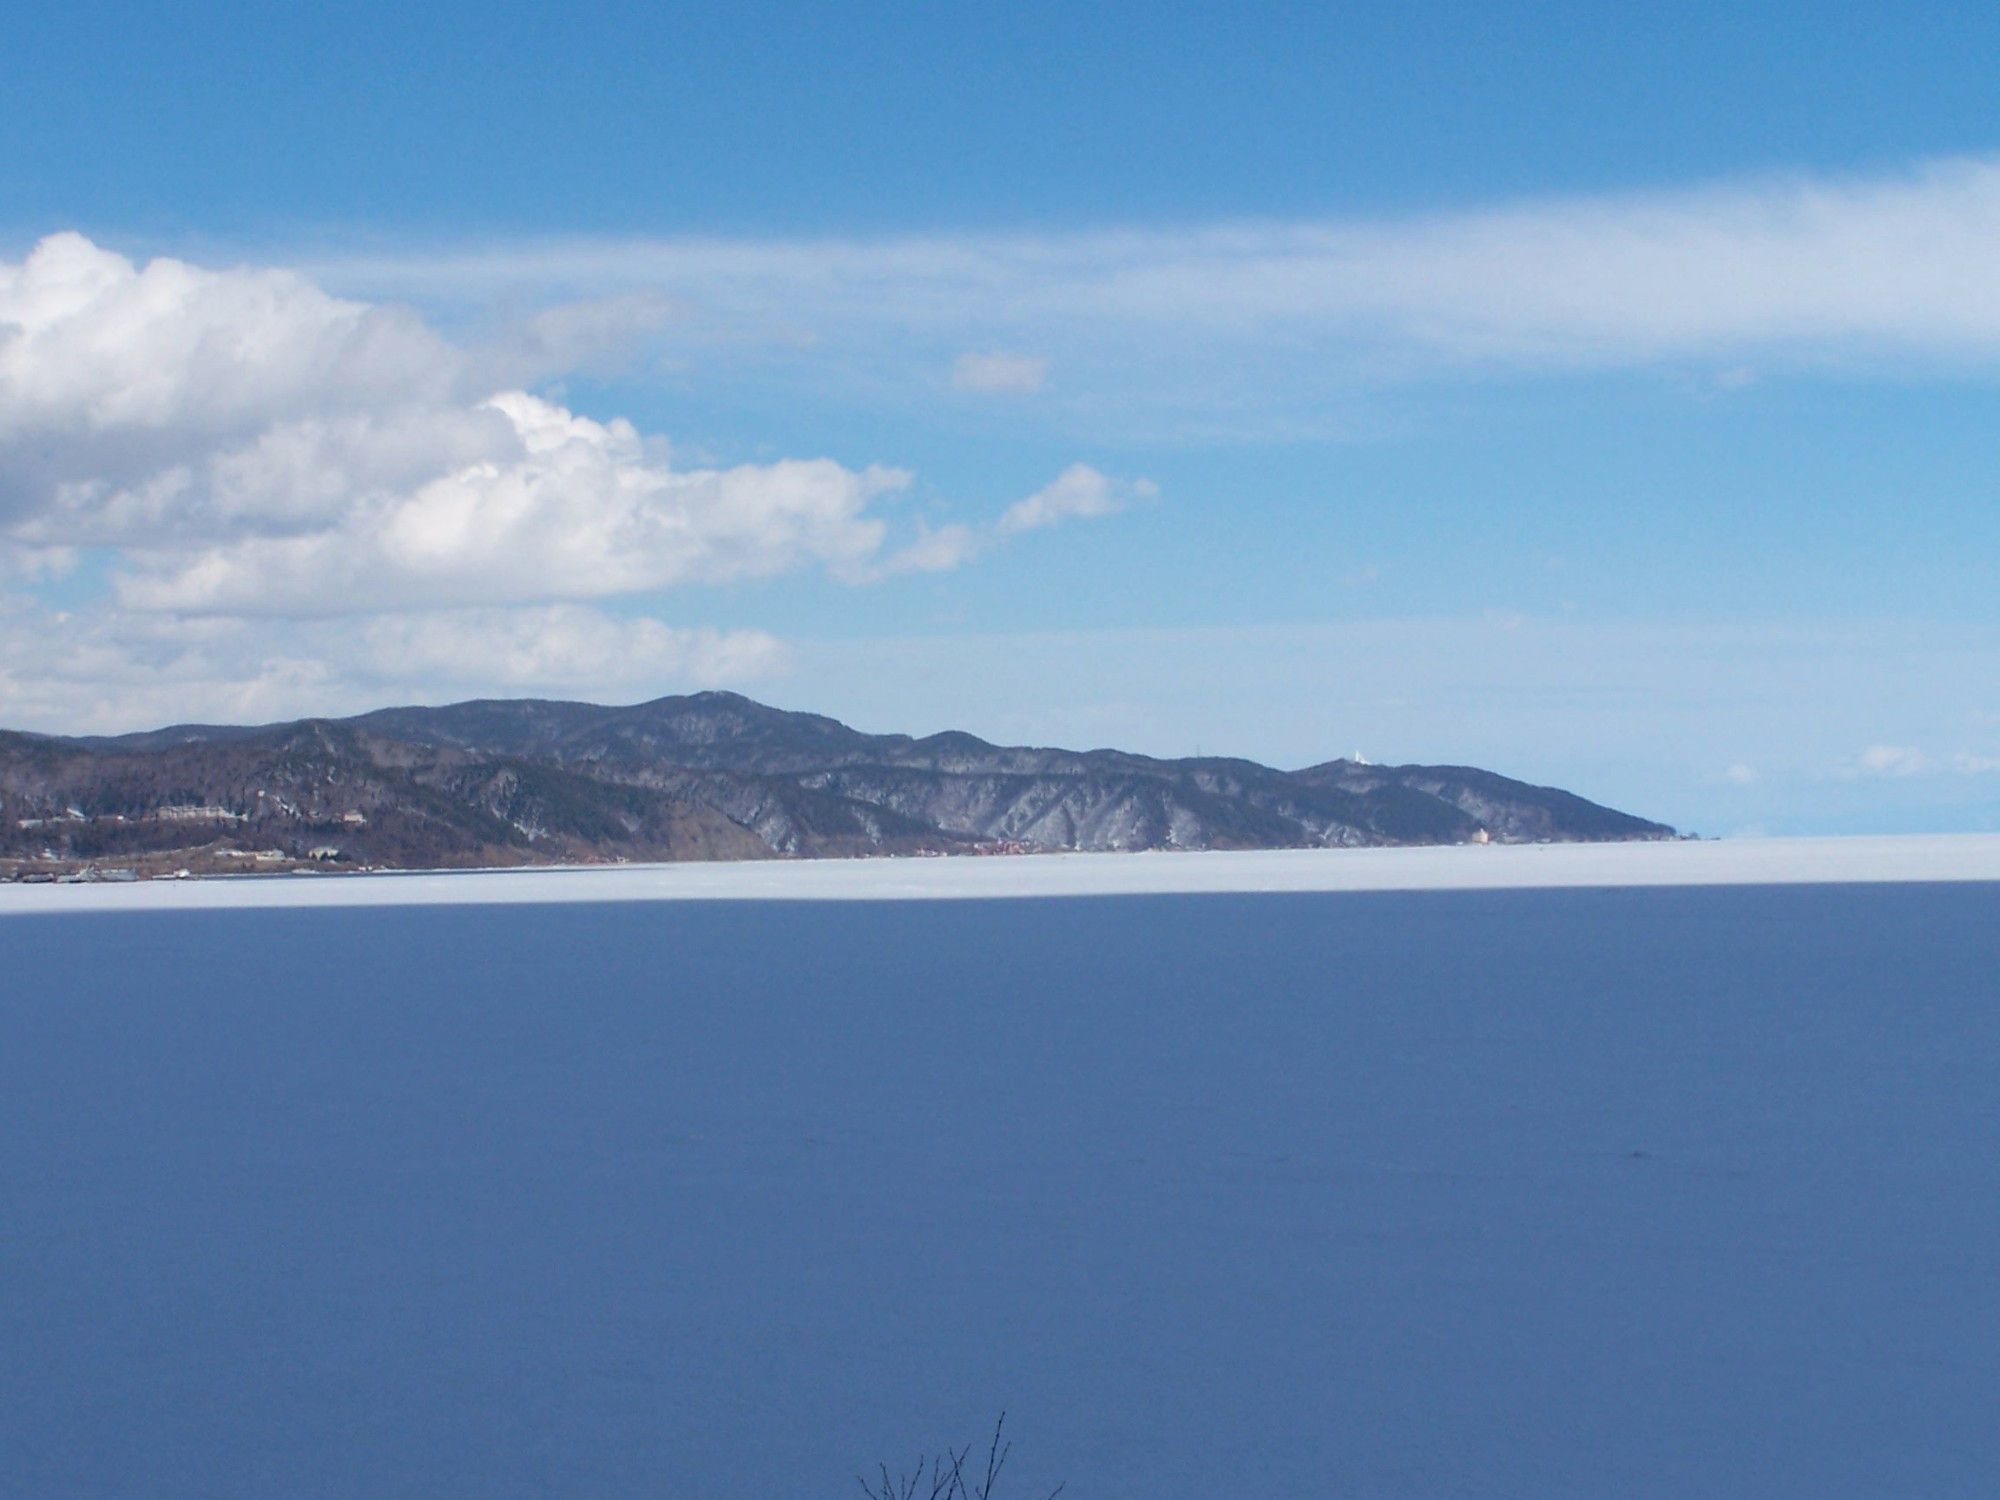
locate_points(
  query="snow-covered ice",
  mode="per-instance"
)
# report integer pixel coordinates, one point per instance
(1786, 861)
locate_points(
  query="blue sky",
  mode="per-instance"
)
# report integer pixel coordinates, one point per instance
(1603, 396)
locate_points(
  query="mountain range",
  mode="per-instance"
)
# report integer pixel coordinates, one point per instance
(708, 776)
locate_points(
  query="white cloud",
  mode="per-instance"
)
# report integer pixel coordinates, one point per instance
(1894, 760)
(580, 510)
(559, 645)
(304, 501)
(1850, 270)
(1740, 774)
(596, 337)
(111, 374)
(934, 551)
(1900, 761)
(108, 672)
(247, 444)
(95, 343)
(1079, 492)
(999, 373)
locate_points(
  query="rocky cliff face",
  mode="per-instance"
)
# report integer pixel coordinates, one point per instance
(711, 776)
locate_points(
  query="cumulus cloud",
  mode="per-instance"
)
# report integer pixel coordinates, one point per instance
(247, 443)
(112, 373)
(579, 511)
(999, 373)
(98, 344)
(298, 496)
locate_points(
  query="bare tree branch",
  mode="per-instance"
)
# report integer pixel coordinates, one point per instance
(946, 1473)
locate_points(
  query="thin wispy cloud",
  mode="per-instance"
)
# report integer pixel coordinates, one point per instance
(113, 670)
(1847, 270)
(999, 373)
(1901, 761)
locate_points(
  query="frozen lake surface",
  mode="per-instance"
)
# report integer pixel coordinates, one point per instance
(1541, 1193)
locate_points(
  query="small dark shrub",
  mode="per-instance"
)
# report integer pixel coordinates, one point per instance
(942, 1476)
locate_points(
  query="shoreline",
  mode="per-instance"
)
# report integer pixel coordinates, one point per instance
(1883, 859)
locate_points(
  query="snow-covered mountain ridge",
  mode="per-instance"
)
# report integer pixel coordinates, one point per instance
(712, 775)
